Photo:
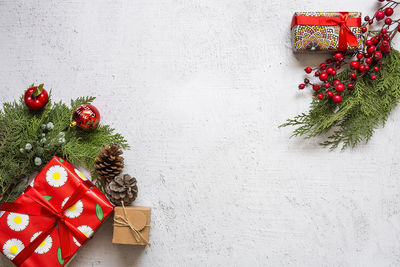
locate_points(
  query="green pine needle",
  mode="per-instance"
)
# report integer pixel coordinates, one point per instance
(362, 110)
(20, 126)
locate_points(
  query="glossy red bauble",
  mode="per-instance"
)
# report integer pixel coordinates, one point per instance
(36, 97)
(337, 99)
(86, 117)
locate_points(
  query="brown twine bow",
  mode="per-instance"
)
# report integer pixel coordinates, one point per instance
(124, 222)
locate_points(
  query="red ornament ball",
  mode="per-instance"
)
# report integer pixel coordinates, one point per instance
(323, 76)
(337, 99)
(36, 97)
(86, 116)
(320, 96)
(339, 88)
(308, 70)
(389, 11)
(379, 15)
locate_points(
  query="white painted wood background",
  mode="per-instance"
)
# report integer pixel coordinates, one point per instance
(199, 88)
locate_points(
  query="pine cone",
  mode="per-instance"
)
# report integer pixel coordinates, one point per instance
(109, 163)
(122, 188)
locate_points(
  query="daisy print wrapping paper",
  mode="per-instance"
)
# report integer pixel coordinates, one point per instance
(30, 236)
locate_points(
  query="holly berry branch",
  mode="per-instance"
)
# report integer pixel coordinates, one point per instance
(348, 86)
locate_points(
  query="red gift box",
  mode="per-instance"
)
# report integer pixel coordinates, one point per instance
(55, 215)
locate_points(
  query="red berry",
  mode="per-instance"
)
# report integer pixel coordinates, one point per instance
(368, 60)
(320, 96)
(371, 49)
(385, 43)
(329, 61)
(388, 11)
(368, 42)
(384, 31)
(373, 77)
(338, 56)
(350, 86)
(375, 40)
(329, 70)
(364, 29)
(388, 21)
(301, 86)
(360, 55)
(335, 82)
(377, 55)
(339, 88)
(323, 76)
(333, 73)
(329, 94)
(316, 73)
(354, 65)
(376, 68)
(315, 87)
(366, 18)
(353, 76)
(366, 68)
(337, 99)
(370, 22)
(308, 70)
(379, 15)
(327, 85)
(361, 68)
(398, 28)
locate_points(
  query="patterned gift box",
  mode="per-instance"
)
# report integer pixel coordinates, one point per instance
(53, 187)
(326, 31)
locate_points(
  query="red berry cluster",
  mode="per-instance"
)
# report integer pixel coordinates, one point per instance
(362, 63)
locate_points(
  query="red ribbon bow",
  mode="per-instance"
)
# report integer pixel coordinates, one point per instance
(346, 36)
(42, 207)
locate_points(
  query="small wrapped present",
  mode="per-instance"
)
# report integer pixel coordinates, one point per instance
(131, 225)
(326, 31)
(54, 216)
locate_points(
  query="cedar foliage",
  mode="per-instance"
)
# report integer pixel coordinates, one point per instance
(362, 110)
(19, 126)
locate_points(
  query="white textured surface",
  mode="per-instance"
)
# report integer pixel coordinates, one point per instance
(199, 88)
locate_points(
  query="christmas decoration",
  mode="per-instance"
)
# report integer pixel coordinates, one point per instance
(54, 217)
(122, 189)
(86, 117)
(109, 162)
(361, 87)
(36, 97)
(131, 225)
(326, 32)
(33, 138)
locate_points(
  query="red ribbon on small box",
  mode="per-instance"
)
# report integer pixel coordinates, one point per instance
(42, 207)
(346, 36)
